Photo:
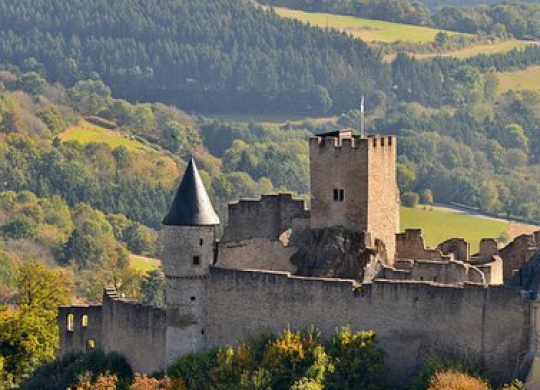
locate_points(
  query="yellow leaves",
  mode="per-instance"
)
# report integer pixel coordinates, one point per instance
(453, 380)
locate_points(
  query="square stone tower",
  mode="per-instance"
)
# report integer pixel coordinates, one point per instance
(353, 184)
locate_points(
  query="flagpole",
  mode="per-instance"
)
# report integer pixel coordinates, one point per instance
(362, 123)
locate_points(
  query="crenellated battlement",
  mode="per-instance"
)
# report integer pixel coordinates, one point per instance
(351, 141)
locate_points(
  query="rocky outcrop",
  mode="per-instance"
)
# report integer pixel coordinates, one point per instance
(334, 253)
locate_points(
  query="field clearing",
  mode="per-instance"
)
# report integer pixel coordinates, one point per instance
(144, 264)
(147, 163)
(85, 132)
(525, 79)
(368, 30)
(440, 224)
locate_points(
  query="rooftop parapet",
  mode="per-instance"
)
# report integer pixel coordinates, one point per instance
(347, 139)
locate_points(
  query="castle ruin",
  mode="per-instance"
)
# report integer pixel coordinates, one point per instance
(342, 262)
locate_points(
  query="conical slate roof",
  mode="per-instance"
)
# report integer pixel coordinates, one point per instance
(191, 205)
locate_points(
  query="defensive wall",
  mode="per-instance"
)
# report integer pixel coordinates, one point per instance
(134, 330)
(412, 319)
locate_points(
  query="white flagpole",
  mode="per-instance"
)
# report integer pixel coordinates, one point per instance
(362, 124)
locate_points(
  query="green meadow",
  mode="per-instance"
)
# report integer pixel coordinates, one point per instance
(441, 224)
(366, 29)
(85, 132)
(525, 79)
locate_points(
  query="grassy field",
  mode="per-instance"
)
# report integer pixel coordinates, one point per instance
(366, 29)
(144, 264)
(85, 132)
(147, 163)
(441, 224)
(381, 31)
(528, 79)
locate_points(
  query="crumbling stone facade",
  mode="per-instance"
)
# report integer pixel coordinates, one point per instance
(134, 330)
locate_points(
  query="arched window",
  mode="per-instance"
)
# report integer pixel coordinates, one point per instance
(90, 345)
(84, 321)
(71, 322)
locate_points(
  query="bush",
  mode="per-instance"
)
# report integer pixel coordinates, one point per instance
(66, 372)
(195, 369)
(453, 380)
(437, 364)
(410, 199)
(358, 361)
(515, 385)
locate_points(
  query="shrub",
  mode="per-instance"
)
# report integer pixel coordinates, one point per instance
(453, 380)
(515, 385)
(437, 364)
(195, 369)
(358, 362)
(66, 372)
(410, 199)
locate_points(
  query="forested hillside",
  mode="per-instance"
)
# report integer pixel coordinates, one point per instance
(211, 56)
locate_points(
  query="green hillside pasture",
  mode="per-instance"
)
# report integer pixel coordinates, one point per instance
(366, 29)
(144, 264)
(441, 224)
(526, 79)
(86, 132)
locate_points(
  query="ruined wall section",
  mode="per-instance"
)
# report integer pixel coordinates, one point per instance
(410, 245)
(267, 217)
(136, 331)
(411, 319)
(516, 254)
(80, 328)
(458, 247)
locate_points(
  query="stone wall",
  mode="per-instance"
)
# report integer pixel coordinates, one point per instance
(256, 253)
(364, 168)
(267, 217)
(136, 331)
(80, 328)
(410, 245)
(458, 247)
(516, 254)
(411, 319)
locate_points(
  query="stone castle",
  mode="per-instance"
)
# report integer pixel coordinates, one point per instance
(343, 262)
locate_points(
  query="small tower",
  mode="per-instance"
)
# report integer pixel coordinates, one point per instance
(189, 238)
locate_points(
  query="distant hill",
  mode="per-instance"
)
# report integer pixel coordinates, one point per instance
(208, 56)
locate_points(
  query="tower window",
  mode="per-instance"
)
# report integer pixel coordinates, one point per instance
(192, 298)
(84, 321)
(70, 322)
(196, 260)
(90, 345)
(201, 242)
(339, 195)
